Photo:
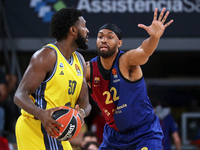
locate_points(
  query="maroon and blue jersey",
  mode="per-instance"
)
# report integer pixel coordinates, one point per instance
(124, 104)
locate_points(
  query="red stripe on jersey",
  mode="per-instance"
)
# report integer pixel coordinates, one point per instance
(102, 96)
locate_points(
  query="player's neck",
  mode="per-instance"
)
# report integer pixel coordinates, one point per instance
(66, 48)
(107, 62)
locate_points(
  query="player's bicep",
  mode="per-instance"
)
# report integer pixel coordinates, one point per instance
(36, 72)
(32, 78)
(135, 57)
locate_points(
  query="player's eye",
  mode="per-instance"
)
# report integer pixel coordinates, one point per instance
(100, 36)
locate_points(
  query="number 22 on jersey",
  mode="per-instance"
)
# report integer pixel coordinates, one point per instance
(108, 94)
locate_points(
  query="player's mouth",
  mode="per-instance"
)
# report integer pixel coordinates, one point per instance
(87, 38)
(103, 47)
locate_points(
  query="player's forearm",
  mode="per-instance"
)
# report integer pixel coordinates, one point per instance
(25, 102)
(83, 99)
(149, 45)
(85, 105)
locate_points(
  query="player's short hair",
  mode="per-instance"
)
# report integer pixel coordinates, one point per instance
(62, 20)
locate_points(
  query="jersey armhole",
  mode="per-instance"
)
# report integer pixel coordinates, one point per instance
(91, 72)
(55, 66)
(80, 60)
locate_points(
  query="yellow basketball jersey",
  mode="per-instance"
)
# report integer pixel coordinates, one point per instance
(63, 86)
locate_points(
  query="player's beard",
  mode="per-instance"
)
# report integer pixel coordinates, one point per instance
(108, 53)
(81, 42)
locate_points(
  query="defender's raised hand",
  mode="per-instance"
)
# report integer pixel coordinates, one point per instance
(157, 28)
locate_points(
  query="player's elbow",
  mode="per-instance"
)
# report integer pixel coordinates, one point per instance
(143, 61)
(16, 98)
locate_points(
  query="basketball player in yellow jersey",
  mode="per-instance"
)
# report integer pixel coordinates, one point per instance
(54, 77)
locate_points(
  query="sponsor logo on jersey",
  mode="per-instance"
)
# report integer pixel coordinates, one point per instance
(61, 66)
(106, 112)
(122, 106)
(96, 85)
(144, 148)
(61, 73)
(117, 80)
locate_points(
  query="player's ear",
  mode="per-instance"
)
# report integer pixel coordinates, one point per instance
(119, 43)
(73, 30)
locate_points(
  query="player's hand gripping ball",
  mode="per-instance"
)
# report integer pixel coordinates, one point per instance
(71, 121)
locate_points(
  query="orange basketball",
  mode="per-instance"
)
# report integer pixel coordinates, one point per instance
(70, 118)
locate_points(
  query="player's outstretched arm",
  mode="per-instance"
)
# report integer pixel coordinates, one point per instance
(140, 55)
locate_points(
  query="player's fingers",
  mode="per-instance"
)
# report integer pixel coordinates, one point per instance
(58, 124)
(142, 26)
(55, 109)
(81, 115)
(167, 24)
(161, 14)
(155, 14)
(52, 110)
(77, 107)
(55, 129)
(51, 133)
(165, 17)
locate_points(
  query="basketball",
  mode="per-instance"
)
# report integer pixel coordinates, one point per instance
(71, 121)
